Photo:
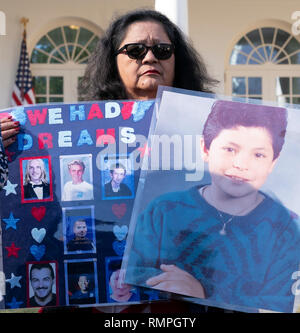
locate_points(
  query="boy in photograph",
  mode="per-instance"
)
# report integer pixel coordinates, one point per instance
(116, 187)
(36, 185)
(84, 292)
(224, 241)
(80, 242)
(77, 188)
(119, 291)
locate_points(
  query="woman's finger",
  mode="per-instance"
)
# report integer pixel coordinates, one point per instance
(9, 125)
(9, 141)
(4, 120)
(157, 279)
(8, 133)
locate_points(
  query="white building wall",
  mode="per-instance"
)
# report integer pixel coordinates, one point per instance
(213, 26)
(41, 13)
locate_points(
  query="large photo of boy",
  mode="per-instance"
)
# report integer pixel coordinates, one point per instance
(223, 239)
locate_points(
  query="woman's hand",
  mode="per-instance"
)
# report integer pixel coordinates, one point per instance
(176, 280)
(9, 130)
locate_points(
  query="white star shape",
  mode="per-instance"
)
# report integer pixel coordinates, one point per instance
(10, 188)
(14, 281)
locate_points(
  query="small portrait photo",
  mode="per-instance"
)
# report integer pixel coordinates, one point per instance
(81, 281)
(117, 176)
(36, 179)
(76, 177)
(42, 283)
(116, 290)
(79, 230)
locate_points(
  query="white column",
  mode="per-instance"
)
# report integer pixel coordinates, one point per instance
(176, 11)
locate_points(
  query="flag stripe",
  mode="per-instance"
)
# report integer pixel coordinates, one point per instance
(16, 99)
(23, 93)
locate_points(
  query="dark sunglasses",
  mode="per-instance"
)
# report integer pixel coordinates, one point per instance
(161, 51)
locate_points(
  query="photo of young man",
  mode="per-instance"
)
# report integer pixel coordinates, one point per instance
(36, 184)
(80, 241)
(77, 188)
(81, 281)
(116, 187)
(118, 291)
(42, 281)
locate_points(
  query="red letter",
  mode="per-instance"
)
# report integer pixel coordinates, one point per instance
(37, 115)
(45, 138)
(102, 138)
(127, 109)
(95, 112)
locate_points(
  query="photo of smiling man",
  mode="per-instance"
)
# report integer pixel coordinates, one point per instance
(42, 287)
(77, 177)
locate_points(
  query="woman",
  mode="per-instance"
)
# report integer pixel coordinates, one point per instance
(140, 51)
(124, 67)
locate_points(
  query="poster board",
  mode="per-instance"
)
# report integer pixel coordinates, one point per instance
(70, 228)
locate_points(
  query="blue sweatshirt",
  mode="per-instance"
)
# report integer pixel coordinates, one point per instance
(250, 266)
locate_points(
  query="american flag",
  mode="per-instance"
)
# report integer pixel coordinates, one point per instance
(23, 92)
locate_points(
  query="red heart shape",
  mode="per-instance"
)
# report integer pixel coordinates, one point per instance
(38, 212)
(127, 109)
(119, 210)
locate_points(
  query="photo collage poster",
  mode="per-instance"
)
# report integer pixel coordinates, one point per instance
(66, 207)
(216, 215)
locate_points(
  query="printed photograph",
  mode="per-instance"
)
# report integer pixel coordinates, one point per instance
(42, 284)
(231, 237)
(81, 281)
(79, 230)
(117, 176)
(36, 178)
(76, 177)
(116, 290)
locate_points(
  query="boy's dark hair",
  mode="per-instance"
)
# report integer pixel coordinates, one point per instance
(228, 114)
(117, 166)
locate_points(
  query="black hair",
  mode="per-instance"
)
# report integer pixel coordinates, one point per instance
(229, 114)
(102, 81)
(117, 166)
(40, 266)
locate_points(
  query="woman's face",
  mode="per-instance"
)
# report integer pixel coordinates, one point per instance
(142, 77)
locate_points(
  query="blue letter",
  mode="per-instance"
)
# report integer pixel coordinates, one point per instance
(84, 138)
(21, 139)
(80, 113)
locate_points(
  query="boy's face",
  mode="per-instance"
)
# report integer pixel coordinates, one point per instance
(76, 172)
(118, 175)
(240, 159)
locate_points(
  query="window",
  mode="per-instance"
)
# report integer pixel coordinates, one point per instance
(63, 44)
(266, 45)
(58, 61)
(265, 64)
